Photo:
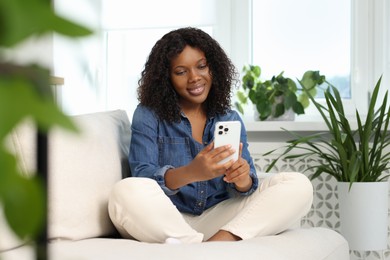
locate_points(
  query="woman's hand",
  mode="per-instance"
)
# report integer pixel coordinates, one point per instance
(206, 163)
(206, 166)
(238, 174)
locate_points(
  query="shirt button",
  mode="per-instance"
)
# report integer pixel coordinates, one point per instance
(201, 192)
(205, 142)
(200, 204)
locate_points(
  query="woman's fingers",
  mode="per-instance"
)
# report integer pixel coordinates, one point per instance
(237, 171)
(220, 153)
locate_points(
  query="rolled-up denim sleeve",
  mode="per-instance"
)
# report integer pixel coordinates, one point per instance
(255, 185)
(160, 178)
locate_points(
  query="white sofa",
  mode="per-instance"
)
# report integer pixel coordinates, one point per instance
(83, 168)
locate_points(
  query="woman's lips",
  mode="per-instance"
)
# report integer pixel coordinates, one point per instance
(196, 91)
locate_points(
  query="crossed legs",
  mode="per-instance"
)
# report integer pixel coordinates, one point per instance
(139, 209)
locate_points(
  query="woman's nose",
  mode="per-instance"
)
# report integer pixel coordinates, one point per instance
(194, 75)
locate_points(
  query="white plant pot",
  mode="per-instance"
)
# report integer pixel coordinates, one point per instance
(364, 214)
(289, 115)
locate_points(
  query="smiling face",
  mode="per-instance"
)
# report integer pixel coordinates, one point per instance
(191, 77)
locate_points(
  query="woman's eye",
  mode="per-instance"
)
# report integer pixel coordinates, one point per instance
(181, 72)
(203, 66)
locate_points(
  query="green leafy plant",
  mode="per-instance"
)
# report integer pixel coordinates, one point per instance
(348, 154)
(25, 92)
(273, 97)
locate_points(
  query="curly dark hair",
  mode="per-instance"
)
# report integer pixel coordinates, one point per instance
(155, 88)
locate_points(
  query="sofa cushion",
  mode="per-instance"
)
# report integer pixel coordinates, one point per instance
(82, 169)
(297, 244)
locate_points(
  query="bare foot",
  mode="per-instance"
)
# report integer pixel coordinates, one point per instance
(223, 235)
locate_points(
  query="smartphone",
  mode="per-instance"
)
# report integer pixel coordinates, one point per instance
(228, 132)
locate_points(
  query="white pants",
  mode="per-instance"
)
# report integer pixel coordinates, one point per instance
(139, 209)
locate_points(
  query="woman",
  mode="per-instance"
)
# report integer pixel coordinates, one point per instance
(179, 191)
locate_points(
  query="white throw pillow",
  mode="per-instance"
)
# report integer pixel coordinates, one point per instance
(83, 167)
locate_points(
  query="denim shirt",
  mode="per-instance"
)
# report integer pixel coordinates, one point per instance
(157, 146)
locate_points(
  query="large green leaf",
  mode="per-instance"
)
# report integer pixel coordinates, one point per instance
(22, 198)
(27, 98)
(241, 97)
(255, 70)
(239, 107)
(279, 110)
(248, 82)
(304, 100)
(289, 100)
(20, 19)
(298, 108)
(310, 80)
(264, 109)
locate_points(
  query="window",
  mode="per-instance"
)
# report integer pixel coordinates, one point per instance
(295, 36)
(350, 41)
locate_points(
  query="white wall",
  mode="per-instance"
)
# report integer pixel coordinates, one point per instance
(79, 61)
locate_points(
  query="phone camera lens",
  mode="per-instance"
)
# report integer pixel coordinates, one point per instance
(220, 127)
(226, 129)
(220, 132)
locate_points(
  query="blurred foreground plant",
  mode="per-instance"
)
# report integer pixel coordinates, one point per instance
(25, 92)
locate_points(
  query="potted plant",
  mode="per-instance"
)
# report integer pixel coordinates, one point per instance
(358, 157)
(277, 96)
(25, 92)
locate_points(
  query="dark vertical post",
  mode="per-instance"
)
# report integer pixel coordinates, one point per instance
(42, 167)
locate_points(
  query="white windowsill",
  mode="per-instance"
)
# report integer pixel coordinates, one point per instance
(294, 126)
(275, 126)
